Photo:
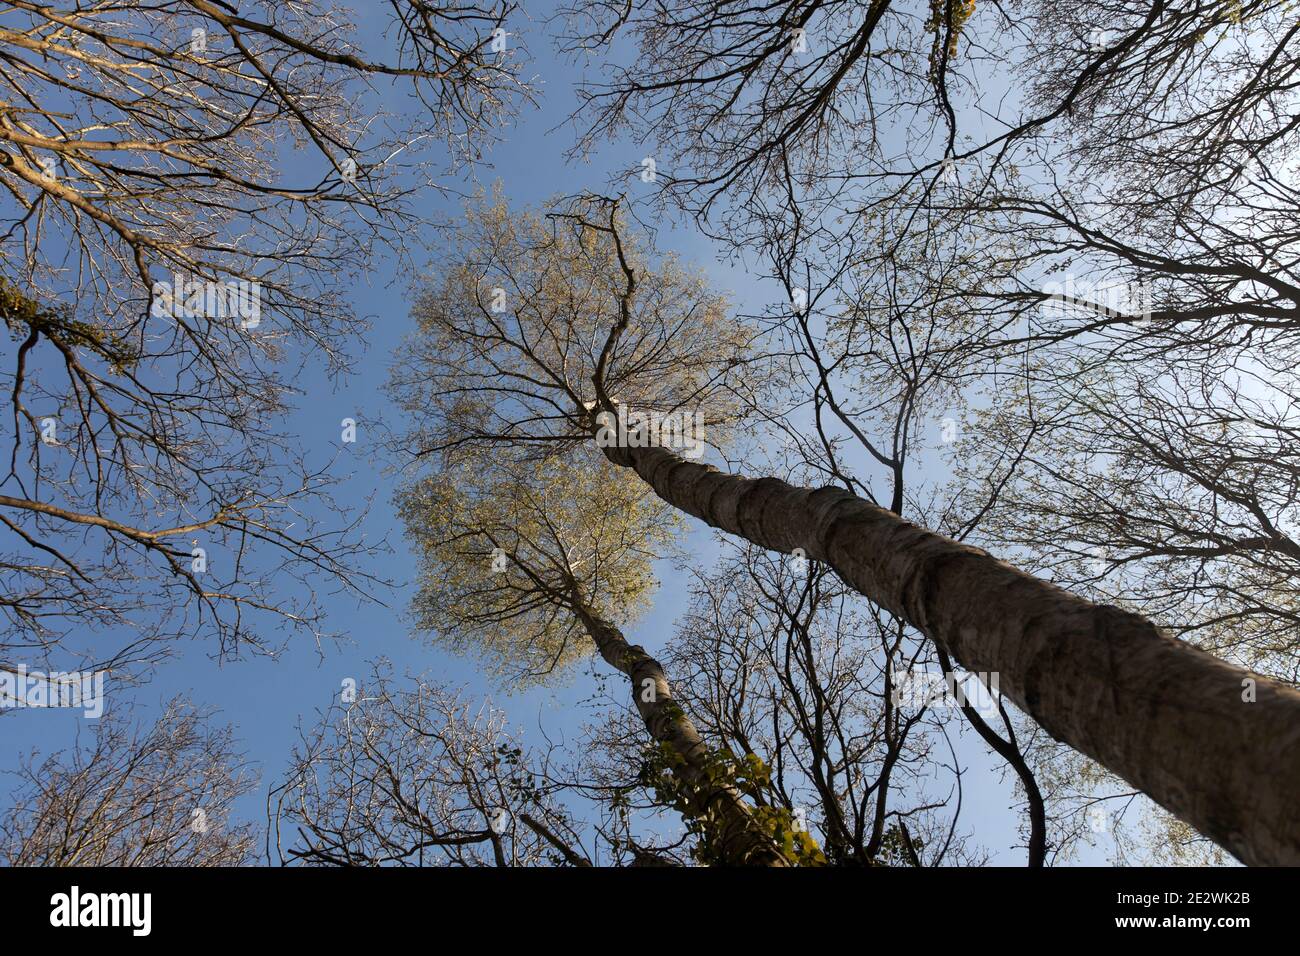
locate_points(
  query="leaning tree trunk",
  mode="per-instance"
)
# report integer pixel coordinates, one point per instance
(727, 818)
(1215, 745)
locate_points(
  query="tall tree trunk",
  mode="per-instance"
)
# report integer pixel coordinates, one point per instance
(1173, 721)
(730, 824)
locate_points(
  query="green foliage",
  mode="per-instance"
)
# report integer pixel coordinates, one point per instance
(947, 17)
(663, 770)
(893, 848)
(22, 314)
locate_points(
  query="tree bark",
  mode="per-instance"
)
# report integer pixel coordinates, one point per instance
(730, 823)
(1168, 718)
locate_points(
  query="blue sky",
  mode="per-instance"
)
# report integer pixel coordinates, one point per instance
(266, 699)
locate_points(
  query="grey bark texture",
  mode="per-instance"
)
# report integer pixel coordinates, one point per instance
(1168, 718)
(725, 813)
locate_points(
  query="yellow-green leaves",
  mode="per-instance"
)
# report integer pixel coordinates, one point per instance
(507, 548)
(524, 515)
(513, 327)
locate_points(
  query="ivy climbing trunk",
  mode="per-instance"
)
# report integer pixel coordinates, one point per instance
(1215, 745)
(722, 812)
